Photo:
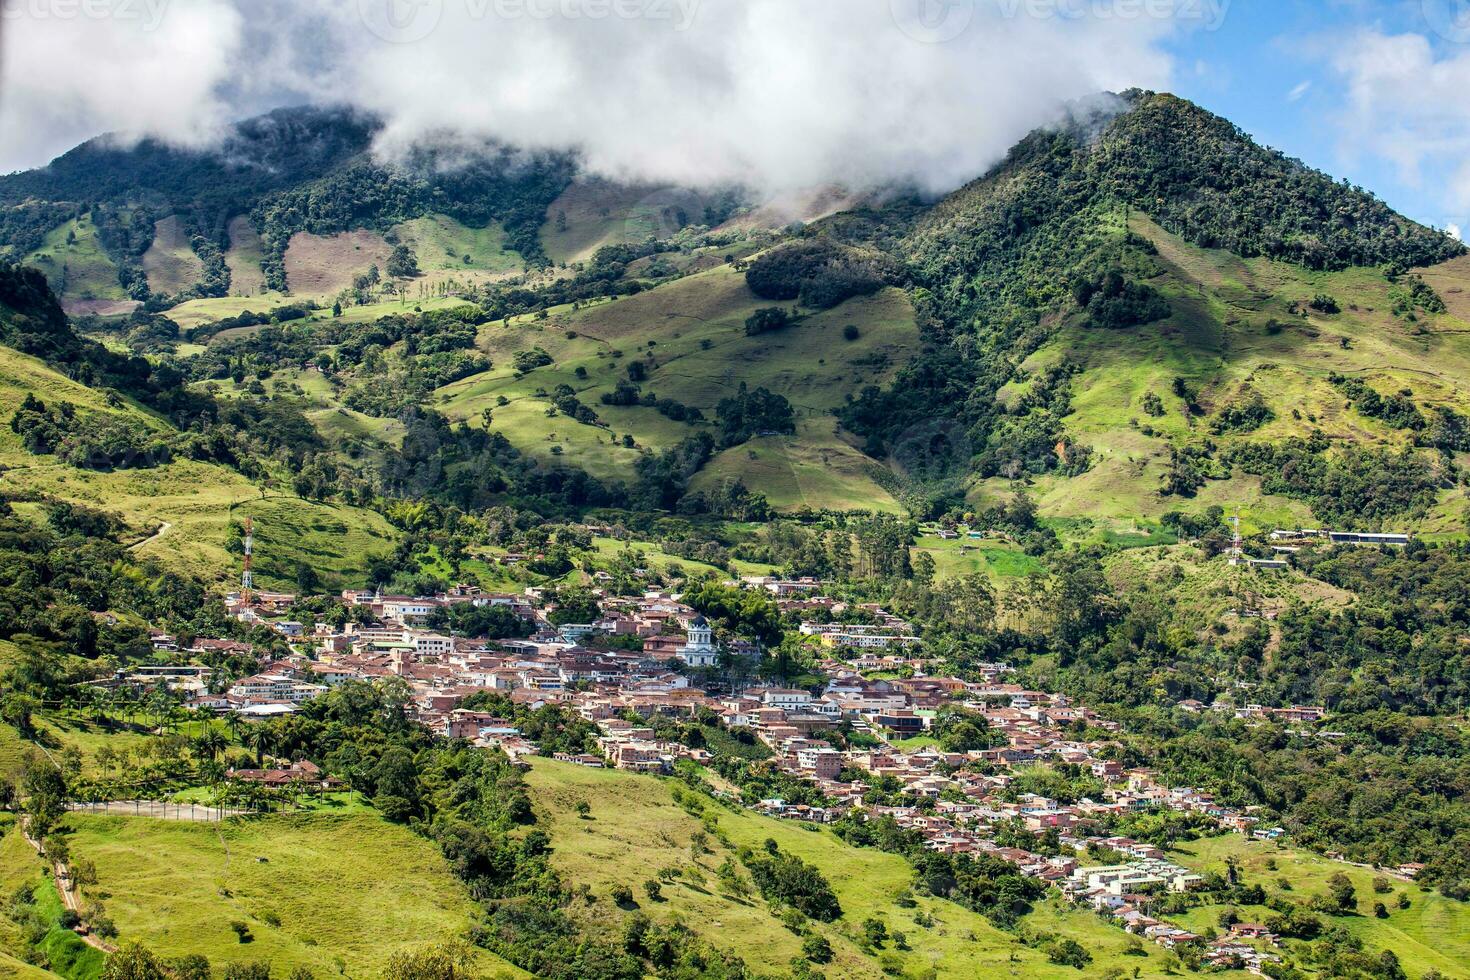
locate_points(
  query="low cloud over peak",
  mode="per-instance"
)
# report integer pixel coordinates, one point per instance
(772, 93)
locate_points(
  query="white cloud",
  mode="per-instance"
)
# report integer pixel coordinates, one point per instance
(1453, 230)
(775, 92)
(1406, 104)
(1295, 95)
(72, 70)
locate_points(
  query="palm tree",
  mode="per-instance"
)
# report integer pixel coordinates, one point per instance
(260, 739)
(210, 743)
(212, 772)
(235, 724)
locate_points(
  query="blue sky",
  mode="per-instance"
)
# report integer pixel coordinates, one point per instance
(1375, 92)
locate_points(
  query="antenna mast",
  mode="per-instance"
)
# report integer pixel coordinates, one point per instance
(247, 582)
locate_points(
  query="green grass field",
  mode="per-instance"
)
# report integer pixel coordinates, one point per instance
(636, 829)
(442, 244)
(1218, 339)
(967, 556)
(347, 891)
(690, 335)
(76, 265)
(59, 730)
(195, 500)
(1433, 933)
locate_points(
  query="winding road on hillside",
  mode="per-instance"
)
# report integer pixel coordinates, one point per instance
(162, 529)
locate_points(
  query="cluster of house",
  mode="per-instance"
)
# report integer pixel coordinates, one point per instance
(1296, 714)
(644, 657)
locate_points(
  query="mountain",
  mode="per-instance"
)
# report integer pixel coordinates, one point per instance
(1136, 313)
(1014, 420)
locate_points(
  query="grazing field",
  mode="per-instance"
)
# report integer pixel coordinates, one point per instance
(689, 337)
(170, 264)
(60, 730)
(323, 265)
(635, 828)
(454, 254)
(1433, 933)
(244, 257)
(180, 512)
(967, 556)
(75, 264)
(336, 541)
(1232, 334)
(593, 213)
(812, 470)
(313, 890)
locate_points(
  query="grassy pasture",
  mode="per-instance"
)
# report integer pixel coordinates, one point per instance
(636, 829)
(75, 264)
(1222, 340)
(170, 264)
(347, 891)
(690, 336)
(1433, 933)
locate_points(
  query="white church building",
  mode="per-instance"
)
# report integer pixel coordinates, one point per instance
(699, 649)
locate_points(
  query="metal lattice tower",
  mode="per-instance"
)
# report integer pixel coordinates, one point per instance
(247, 582)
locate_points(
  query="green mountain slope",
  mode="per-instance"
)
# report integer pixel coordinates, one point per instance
(1140, 312)
(179, 510)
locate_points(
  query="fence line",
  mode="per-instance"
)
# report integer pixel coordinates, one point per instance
(159, 810)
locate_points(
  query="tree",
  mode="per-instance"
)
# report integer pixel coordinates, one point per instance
(403, 264)
(190, 967)
(816, 948)
(210, 743)
(395, 780)
(307, 580)
(44, 788)
(247, 971)
(134, 962)
(574, 606)
(765, 320)
(16, 709)
(1068, 952)
(261, 739)
(1344, 896)
(447, 961)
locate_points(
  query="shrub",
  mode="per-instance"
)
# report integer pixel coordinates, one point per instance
(1068, 952)
(787, 878)
(817, 949)
(820, 272)
(766, 320)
